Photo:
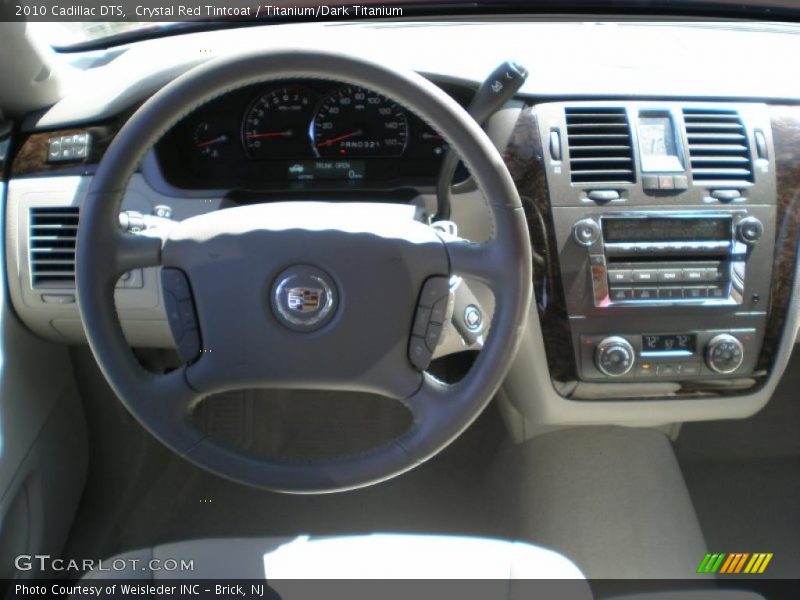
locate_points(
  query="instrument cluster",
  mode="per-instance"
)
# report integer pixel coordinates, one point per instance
(305, 134)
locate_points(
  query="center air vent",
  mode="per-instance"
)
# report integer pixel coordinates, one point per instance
(718, 148)
(52, 246)
(599, 142)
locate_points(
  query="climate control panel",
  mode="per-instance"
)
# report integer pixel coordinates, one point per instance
(669, 356)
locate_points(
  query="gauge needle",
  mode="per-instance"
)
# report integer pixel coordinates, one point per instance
(269, 134)
(340, 138)
(219, 139)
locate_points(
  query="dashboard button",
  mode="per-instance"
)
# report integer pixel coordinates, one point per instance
(58, 298)
(716, 292)
(694, 293)
(650, 182)
(620, 276)
(681, 182)
(646, 370)
(644, 275)
(692, 275)
(667, 370)
(586, 232)
(666, 182)
(645, 294)
(710, 274)
(725, 195)
(670, 293)
(603, 195)
(618, 294)
(670, 275)
(689, 369)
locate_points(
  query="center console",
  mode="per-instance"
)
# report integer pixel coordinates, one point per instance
(664, 218)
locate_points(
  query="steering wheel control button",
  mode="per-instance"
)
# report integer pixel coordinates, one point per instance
(432, 336)
(473, 318)
(181, 313)
(433, 290)
(418, 352)
(304, 298)
(421, 320)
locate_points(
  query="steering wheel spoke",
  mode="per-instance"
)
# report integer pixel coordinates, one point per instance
(167, 407)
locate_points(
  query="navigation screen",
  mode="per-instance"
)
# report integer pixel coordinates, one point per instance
(657, 144)
(665, 230)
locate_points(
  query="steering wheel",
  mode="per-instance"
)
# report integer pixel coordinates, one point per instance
(302, 295)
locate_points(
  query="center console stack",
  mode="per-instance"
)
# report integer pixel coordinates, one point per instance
(664, 216)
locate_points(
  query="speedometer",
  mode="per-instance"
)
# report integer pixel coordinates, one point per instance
(275, 125)
(354, 122)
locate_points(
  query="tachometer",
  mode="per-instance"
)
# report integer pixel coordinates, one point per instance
(354, 122)
(275, 125)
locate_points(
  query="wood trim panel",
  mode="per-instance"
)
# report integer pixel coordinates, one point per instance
(786, 141)
(525, 161)
(30, 158)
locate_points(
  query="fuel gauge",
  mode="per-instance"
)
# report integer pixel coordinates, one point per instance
(209, 140)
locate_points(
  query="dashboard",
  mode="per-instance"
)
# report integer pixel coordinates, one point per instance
(302, 134)
(642, 174)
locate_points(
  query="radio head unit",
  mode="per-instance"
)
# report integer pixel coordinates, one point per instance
(666, 257)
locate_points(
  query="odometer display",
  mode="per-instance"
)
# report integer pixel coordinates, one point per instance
(275, 125)
(354, 122)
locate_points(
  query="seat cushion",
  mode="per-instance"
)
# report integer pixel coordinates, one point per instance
(377, 556)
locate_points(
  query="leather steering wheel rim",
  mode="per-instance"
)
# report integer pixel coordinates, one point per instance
(163, 403)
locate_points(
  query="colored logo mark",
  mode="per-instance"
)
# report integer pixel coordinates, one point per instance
(734, 563)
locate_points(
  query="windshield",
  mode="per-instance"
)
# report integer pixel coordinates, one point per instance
(136, 21)
(63, 34)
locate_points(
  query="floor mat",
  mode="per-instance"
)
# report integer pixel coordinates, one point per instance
(750, 506)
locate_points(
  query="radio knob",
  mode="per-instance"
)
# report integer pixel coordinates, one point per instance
(724, 353)
(586, 232)
(614, 356)
(749, 230)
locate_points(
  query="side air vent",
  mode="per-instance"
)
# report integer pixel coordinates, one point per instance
(52, 246)
(599, 142)
(718, 148)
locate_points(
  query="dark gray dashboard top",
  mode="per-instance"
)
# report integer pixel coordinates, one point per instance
(731, 60)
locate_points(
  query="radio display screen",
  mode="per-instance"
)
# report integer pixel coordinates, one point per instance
(665, 229)
(669, 343)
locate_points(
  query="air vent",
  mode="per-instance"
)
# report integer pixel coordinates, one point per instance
(718, 148)
(52, 246)
(599, 145)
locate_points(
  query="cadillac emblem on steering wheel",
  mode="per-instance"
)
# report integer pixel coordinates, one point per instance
(303, 298)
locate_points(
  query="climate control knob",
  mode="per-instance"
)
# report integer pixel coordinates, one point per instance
(614, 356)
(724, 353)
